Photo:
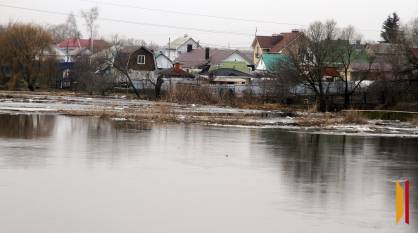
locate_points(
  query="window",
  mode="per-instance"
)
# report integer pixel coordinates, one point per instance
(141, 59)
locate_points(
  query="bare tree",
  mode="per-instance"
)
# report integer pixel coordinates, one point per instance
(90, 18)
(72, 27)
(315, 52)
(409, 41)
(23, 53)
(67, 30)
(346, 53)
(92, 76)
(120, 61)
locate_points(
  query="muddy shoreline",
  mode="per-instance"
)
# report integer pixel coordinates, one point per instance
(120, 108)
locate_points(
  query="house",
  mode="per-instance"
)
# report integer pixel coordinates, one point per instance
(330, 74)
(180, 46)
(139, 58)
(175, 76)
(140, 63)
(201, 60)
(228, 76)
(272, 63)
(276, 43)
(163, 62)
(236, 65)
(74, 44)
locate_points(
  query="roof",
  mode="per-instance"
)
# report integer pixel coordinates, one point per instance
(228, 72)
(161, 54)
(330, 71)
(82, 43)
(196, 57)
(236, 65)
(132, 49)
(176, 73)
(179, 42)
(415, 52)
(274, 61)
(381, 48)
(276, 43)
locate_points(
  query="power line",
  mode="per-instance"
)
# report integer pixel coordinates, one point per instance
(191, 14)
(129, 22)
(204, 15)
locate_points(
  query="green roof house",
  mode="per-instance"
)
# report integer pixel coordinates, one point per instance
(272, 62)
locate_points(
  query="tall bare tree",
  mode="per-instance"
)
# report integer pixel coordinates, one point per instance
(315, 51)
(90, 18)
(67, 30)
(346, 53)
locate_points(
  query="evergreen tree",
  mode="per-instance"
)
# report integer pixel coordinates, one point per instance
(391, 29)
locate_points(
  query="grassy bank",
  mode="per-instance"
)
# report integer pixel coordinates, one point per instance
(385, 115)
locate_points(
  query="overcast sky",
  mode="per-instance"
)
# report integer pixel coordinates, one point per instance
(269, 16)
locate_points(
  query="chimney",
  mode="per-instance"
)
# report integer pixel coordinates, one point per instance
(275, 38)
(207, 53)
(295, 30)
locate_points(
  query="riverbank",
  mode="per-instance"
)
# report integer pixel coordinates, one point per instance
(121, 108)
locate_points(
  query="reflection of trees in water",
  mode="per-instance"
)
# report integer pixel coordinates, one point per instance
(32, 150)
(308, 158)
(335, 165)
(110, 141)
(26, 126)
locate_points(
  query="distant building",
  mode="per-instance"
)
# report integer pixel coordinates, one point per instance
(276, 43)
(163, 62)
(76, 46)
(272, 62)
(139, 58)
(180, 46)
(229, 77)
(205, 59)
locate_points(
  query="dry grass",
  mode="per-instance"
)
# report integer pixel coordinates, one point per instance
(349, 117)
(354, 117)
(188, 94)
(414, 121)
(318, 120)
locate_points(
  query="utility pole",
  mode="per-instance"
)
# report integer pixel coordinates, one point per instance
(169, 48)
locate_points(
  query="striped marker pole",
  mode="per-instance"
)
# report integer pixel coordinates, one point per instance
(402, 201)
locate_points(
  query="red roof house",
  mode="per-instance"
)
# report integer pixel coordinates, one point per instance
(273, 44)
(72, 44)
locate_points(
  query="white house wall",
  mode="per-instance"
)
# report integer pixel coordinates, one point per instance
(261, 66)
(173, 53)
(183, 47)
(163, 63)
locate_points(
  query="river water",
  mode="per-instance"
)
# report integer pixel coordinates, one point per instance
(85, 175)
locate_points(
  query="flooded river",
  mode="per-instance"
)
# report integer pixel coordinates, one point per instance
(87, 175)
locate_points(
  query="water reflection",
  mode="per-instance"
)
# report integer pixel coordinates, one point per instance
(26, 126)
(96, 175)
(345, 173)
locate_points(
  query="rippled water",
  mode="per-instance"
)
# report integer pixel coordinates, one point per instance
(84, 175)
